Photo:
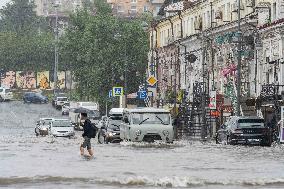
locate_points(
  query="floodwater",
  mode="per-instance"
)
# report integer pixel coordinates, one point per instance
(27, 161)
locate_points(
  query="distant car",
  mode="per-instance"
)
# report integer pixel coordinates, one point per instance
(62, 128)
(5, 94)
(147, 124)
(42, 126)
(111, 131)
(65, 108)
(32, 97)
(244, 130)
(59, 100)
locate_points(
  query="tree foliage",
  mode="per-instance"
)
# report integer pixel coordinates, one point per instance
(25, 41)
(104, 51)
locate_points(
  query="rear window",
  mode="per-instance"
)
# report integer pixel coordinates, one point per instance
(62, 98)
(1, 90)
(250, 121)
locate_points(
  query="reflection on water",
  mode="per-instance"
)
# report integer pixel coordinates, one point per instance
(28, 161)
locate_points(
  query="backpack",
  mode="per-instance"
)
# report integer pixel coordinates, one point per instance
(94, 130)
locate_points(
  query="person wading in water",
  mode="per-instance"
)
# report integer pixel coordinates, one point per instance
(87, 134)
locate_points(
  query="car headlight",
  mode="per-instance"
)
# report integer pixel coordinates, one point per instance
(138, 133)
(166, 133)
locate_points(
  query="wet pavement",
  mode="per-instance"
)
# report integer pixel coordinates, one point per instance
(27, 161)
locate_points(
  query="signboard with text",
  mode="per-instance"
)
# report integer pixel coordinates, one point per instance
(117, 91)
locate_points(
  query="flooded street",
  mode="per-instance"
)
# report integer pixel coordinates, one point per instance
(27, 161)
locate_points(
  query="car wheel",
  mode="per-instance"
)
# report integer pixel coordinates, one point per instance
(218, 139)
(1, 99)
(101, 138)
(229, 140)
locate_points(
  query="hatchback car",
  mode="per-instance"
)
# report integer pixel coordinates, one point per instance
(31, 97)
(62, 128)
(244, 130)
(42, 126)
(5, 94)
(110, 132)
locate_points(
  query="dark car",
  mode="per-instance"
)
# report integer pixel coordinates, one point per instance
(32, 97)
(111, 131)
(244, 130)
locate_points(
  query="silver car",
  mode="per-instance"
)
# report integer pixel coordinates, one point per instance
(147, 124)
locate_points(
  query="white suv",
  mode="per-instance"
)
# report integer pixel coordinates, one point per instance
(5, 94)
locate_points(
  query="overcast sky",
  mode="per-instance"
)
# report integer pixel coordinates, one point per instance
(3, 2)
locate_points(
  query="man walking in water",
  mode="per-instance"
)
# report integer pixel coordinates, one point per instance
(87, 134)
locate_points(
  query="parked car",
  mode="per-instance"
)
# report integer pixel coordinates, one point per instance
(110, 132)
(62, 127)
(147, 124)
(43, 126)
(59, 100)
(32, 97)
(5, 94)
(65, 108)
(244, 130)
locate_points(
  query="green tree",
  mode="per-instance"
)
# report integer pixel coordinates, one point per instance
(100, 49)
(26, 43)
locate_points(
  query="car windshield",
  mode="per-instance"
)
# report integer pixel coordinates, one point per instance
(40, 95)
(61, 124)
(94, 114)
(114, 124)
(62, 98)
(8, 90)
(251, 123)
(88, 104)
(151, 118)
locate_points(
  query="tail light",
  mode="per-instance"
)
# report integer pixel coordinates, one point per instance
(238, 131)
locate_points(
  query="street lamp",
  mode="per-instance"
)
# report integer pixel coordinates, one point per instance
(56, 5)
(239, 59)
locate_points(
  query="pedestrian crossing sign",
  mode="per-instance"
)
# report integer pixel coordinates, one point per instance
(117, 91)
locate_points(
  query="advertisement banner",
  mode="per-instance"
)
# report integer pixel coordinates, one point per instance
(213, 103)
(8, 79)
(282, 125)
(26, 80)
(43, 80)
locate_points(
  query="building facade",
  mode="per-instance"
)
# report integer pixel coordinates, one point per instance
(133, 8)
(205, 38)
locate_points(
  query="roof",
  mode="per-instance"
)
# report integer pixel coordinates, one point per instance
(148, 110)
(116, 111)
(247, 117)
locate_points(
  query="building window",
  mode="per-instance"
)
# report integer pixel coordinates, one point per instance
(133, 1)
(119, 8)
(146, 8)
(228, 12)
(274, 11)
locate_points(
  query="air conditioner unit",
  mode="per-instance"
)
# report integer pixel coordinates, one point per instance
(170, 40)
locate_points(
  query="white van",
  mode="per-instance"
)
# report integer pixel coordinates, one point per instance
(62, 127)
(5, 94)
(147, 124)
(88, 105)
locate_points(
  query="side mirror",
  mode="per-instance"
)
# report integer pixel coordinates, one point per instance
(126, 120)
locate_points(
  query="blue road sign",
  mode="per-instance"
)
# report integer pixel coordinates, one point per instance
(110, 93)
(117, 91)
(142, 95)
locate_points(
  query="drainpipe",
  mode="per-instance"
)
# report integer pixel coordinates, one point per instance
(181, 25)
(172, 27)
(157, 65)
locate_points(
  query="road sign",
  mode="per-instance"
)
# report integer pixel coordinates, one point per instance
(152, 80)
(117, 91)
(110, 93)
(213, 103)
(142, 95)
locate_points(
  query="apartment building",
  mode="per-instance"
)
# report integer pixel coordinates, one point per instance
(133, 8)
(207, 31)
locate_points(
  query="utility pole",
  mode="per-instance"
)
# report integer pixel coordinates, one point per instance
(56, 5)
(239, 59)
(125, 76)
